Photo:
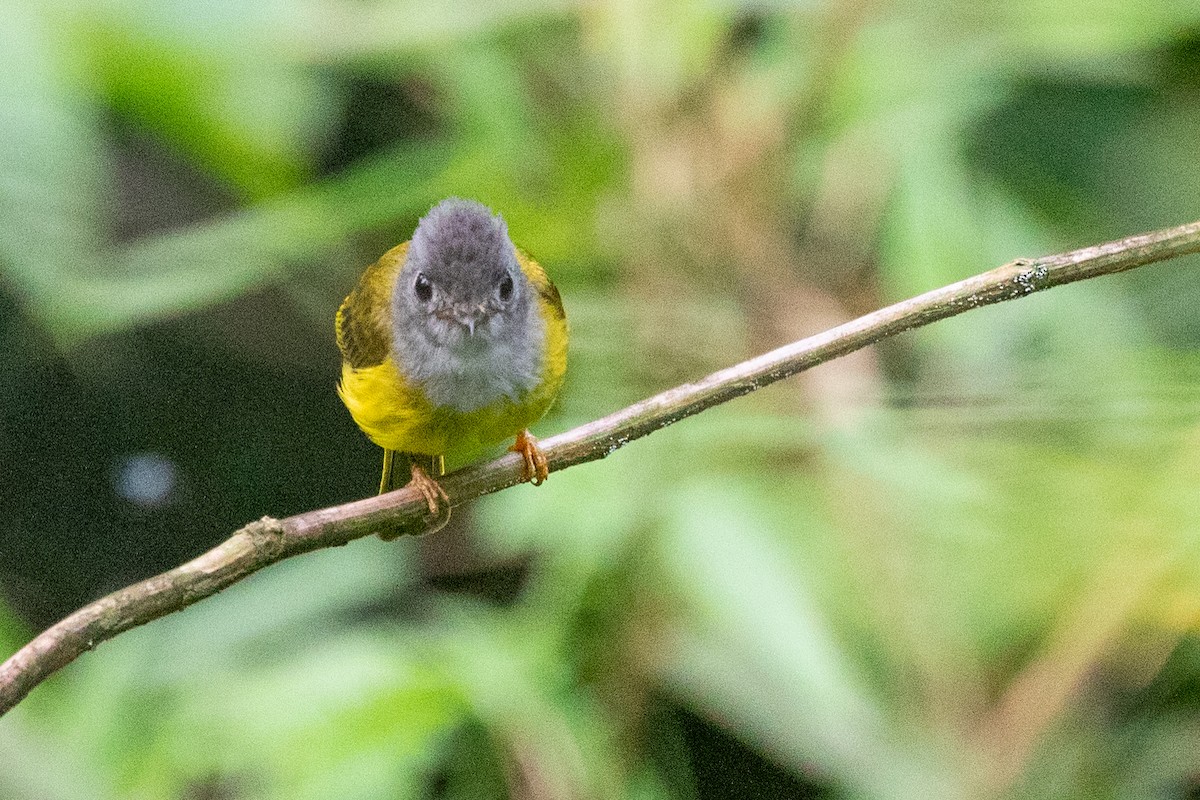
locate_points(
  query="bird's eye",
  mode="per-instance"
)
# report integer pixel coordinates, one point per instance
(423, 288)
(506, 288)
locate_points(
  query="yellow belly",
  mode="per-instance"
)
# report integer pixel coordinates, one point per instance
(397, 416)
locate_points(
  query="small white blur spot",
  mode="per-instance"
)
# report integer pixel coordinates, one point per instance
(147, 479)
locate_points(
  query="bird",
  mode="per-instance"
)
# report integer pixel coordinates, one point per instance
(452, 340)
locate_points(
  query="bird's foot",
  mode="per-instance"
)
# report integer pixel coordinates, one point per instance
(435, 497)
(536, 468)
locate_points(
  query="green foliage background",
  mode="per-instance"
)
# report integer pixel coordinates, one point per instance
(961, 565)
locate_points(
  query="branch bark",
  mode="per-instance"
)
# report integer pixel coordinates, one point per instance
(405, 512)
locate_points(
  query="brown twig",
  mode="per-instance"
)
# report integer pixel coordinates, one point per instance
(405, 511)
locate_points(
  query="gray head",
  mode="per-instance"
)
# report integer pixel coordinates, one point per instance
(461, 270)
(464, 314)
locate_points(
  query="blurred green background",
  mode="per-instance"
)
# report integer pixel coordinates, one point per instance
(960, 565)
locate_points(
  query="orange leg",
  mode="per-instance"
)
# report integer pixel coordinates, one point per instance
(537, 468)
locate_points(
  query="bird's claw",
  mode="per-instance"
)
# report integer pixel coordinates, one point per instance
(435, 497)
(536, 467)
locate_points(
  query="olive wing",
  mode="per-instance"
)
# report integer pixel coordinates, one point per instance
(542, 283)
(364, 320)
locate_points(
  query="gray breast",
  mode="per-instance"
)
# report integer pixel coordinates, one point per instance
(502, 360)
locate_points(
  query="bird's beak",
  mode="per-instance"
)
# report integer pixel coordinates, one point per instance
(469, 318)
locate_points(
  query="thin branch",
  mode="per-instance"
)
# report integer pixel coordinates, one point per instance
(405, 512)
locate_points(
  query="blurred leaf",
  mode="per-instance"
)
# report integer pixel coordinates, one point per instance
(753, 649)
(184, 270)
(216, 80)
(355, 717)
(658, 49)
(329, 31)
(548, 729)
(1080, 30)
(40, 767)
(54, 176)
